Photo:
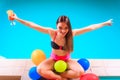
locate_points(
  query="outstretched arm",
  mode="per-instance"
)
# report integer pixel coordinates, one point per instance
(92, 27)
(33, 25)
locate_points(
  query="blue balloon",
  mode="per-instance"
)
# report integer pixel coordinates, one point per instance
(33, 74)
(84, 63)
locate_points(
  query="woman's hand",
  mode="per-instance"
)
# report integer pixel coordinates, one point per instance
(14, 16)
(109, 22)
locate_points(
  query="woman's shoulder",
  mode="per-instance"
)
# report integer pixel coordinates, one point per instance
(52, 32)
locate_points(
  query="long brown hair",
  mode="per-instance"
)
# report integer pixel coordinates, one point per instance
(68, 37)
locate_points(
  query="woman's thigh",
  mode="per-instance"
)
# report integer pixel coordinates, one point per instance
(74, 65)
(47, 64)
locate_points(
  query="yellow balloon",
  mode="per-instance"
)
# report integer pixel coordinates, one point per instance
(10, 12)
(37, 56)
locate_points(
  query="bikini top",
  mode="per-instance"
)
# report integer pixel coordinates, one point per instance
(55, 45)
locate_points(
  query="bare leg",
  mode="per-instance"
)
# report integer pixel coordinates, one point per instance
(45, 69)
(64, 79)
(74, 70)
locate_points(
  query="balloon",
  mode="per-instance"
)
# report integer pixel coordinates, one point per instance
(60, 66)
(37, 57)
(33, 74)
(84, 63)
(10, 14)
(89, 76)
(10, 18)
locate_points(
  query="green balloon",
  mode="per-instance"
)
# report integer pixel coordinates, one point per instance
(60, 66)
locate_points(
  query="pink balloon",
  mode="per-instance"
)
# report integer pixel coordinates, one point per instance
(89, 76)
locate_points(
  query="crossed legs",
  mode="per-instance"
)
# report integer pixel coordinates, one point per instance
(46, 68)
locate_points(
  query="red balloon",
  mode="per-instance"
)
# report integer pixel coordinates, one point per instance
(10, 18)
(89, 76)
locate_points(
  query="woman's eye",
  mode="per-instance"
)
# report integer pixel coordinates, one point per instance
(66, 27)
(60, 27)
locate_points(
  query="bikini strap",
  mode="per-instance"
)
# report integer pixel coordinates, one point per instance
(55, 36)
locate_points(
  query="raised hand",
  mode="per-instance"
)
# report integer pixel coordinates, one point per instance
(109, 22)
(11, 16)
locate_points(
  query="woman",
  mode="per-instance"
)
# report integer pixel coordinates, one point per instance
(62, 46)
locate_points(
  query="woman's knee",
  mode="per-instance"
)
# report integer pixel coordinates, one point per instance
(44, 66)
(79, 72)
(43, 72)
(39, 70)
(74, 66)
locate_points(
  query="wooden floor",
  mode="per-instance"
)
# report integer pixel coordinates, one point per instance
(17, 69)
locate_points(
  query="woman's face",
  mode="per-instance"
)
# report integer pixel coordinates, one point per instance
(62, 28)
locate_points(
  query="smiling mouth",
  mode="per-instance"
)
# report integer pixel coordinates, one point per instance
(63, 33)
